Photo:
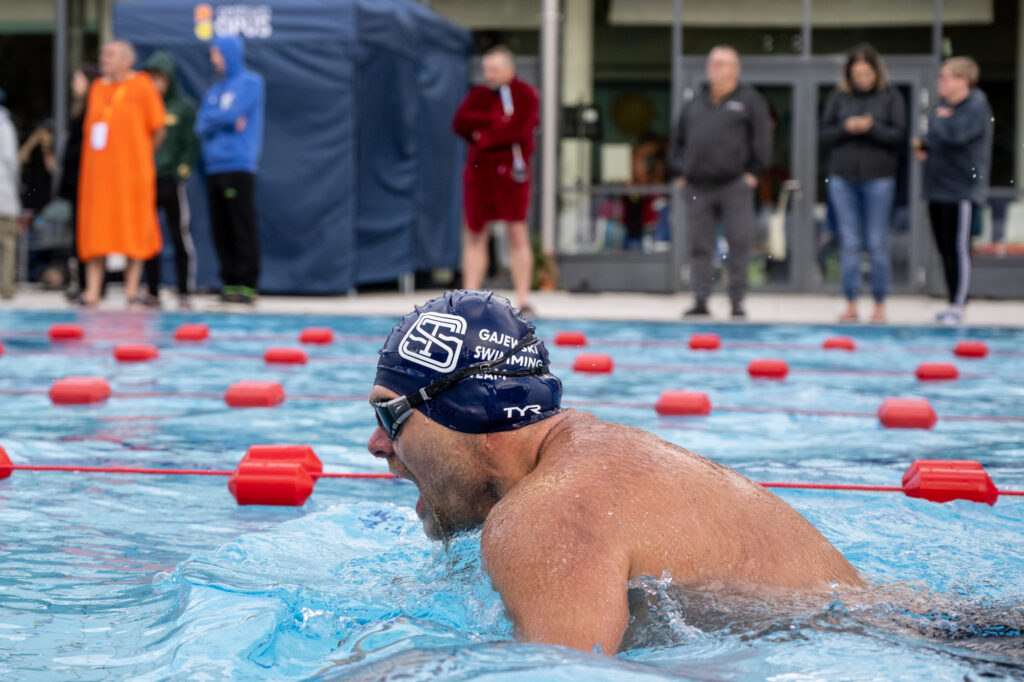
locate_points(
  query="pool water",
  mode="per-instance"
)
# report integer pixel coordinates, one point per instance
(106, 576)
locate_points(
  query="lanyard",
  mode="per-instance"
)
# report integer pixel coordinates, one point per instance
(108, 109)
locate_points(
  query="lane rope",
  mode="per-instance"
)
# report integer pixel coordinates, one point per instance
(353, 475)
(569, 403)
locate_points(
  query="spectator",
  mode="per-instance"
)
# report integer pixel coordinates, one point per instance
(230, 128)
(10, 202)
(498, 120)
(641, 213)
(38, 160)
(67, 188)
(175, 160)
(124, 122)
(957, 154)
(723, 144)
(865, 125)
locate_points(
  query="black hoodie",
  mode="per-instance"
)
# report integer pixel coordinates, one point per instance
(870, 155)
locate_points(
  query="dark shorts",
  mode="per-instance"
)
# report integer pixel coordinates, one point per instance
(491, 194)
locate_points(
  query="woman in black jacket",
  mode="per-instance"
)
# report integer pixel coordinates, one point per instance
(67, 188)
(865, 125)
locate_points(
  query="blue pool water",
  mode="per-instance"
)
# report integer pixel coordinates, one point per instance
(108, 576)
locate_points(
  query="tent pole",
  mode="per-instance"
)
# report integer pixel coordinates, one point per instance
(549, 20)
(60, 80)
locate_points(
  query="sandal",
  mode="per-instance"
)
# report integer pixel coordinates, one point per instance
(81, 302)
(847, 318)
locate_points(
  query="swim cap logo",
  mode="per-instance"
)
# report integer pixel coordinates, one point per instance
(434, 341)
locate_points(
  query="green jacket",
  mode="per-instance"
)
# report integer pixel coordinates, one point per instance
(177, 156)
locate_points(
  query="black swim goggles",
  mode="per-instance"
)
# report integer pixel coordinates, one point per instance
(391, 414)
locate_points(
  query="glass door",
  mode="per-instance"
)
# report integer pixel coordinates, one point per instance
(794, 247)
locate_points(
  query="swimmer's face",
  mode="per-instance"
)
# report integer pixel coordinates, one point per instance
(445, 465)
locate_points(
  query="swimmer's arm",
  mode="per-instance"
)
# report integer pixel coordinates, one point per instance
(559, 592)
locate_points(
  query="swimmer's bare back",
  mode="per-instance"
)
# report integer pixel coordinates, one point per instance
(608, 503)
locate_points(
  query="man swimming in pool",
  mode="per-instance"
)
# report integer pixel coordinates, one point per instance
(572, 507)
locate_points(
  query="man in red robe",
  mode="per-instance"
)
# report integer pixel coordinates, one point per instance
(497, 120)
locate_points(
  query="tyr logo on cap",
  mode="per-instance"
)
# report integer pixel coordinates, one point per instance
(426, 344)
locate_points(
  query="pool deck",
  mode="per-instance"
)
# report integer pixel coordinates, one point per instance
(561, 305)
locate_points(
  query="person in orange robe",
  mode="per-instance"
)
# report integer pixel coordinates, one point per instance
(124, 124)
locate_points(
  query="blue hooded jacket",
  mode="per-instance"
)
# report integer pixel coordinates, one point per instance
(238, 93)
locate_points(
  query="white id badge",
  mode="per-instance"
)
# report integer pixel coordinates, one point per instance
(98, 135)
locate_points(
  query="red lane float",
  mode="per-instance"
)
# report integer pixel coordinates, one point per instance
(66, 332)
(1, 347)
(79, 391)
(942, 480)
(254, 394)
(321, 335)
(593, 363)
(271, 482)
(280, 475)
(704, 342)
(192, 332)
(570, 338)
(936, 371)
(971, 349)
(303, 454)
(839, 343)
(5, 464)
(906, 413)
(768, 369)
(136, 352)
(285, 356)
(674, 403)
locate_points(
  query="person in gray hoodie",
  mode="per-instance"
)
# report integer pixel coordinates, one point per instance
(957, 154)
(10, 203)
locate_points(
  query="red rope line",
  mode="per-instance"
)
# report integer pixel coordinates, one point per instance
(224, 472)
(171, 472)
(835, 486)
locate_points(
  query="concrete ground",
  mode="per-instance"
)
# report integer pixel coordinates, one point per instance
(761, 308)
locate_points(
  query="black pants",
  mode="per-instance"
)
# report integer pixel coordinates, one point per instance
(951, 224)
(233, 223)
(171, 198)
(733, 204)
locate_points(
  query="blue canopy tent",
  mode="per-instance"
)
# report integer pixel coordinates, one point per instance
(359, 179)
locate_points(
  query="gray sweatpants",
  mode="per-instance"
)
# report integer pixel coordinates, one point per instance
(733, 204)
(8, 246)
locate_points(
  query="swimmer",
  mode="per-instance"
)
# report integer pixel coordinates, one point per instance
(573, 508)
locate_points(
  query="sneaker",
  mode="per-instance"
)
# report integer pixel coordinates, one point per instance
(951, 316)
(699, 309)
(738, 311)
(228, 294)
(245, 295)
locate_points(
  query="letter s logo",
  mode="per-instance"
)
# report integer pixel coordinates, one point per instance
(426, 345)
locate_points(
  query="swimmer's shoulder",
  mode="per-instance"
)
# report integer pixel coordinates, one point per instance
(561, 492)
(583, 441)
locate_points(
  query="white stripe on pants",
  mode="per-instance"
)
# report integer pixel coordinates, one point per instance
(963, 251)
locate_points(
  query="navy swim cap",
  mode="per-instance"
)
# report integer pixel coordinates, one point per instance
(459, 330)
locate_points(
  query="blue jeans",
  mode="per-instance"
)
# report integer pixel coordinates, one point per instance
(863, 211)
